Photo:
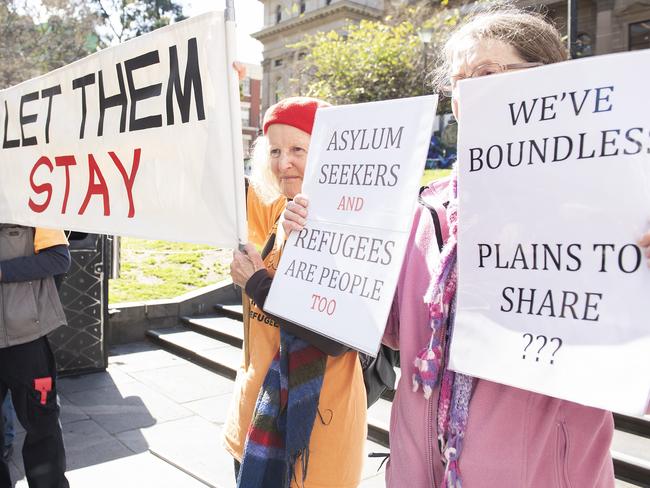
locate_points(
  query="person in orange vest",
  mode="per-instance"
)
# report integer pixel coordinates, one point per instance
(30, 308)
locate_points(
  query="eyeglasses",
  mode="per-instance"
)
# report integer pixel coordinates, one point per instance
(486, 69)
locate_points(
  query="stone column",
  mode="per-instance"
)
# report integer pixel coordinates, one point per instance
(604, 26)
(266, 85)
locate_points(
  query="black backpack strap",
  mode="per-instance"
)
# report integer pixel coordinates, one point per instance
(268, 246)
(270, 242)
(378, 373)
(436, 221)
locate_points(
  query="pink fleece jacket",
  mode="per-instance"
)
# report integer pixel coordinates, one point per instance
(514, 438)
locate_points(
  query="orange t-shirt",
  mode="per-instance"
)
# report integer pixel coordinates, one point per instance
(44, 238)
(261, 217)
(337, 440)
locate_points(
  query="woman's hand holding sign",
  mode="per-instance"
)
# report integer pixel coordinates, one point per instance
(245, 264)
(644, 242)
(295, 215)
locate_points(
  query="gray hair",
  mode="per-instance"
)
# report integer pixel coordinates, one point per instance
(266, 184)
(531, 34)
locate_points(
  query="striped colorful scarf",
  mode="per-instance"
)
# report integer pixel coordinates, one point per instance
(431, 363)
(284, 416)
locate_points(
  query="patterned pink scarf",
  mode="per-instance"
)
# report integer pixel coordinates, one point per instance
(431, 362)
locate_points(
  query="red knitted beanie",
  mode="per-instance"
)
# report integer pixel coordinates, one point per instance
(298, 112)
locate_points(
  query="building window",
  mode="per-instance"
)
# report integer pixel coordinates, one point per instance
(327, 2)
(246, 87)
(303, 6)
(246, 117)
(278, 14)
(640, 35)
(584, 46)
(277, 63)
(247, 142)
(279, 91)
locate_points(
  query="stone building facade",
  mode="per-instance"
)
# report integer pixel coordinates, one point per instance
(604, 26)
(251, 106)
(286, 22)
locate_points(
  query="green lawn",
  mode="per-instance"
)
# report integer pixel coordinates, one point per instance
(159, 269)
(433, 174)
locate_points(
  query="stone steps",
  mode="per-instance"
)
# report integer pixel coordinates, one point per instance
(205, 351)
(222, 329)
(215, 343)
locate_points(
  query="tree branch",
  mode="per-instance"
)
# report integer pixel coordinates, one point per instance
(108, 19)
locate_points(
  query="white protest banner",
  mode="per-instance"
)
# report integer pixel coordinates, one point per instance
(338, 275)
(554, 187)
(138, 140)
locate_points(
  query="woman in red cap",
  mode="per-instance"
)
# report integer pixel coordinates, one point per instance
(298, 416)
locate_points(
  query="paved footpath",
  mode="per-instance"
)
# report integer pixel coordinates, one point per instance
(152, 420)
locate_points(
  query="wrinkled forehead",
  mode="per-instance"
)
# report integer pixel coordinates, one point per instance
(283, 134)
(470, 52)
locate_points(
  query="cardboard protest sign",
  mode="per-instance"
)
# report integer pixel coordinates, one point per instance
(138, 139)
(554, 188)
(338, 275)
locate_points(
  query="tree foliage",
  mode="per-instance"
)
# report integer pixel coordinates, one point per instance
(125, 19)
(38, 37)
(371, 61)
(33, 42)
(375, 60)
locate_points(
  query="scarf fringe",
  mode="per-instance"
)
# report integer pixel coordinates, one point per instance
(303, 455)
(451, 453)
(427, 368)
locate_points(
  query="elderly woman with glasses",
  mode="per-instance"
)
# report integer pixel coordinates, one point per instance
(449, 429)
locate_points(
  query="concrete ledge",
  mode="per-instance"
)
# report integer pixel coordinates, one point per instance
(129, 321)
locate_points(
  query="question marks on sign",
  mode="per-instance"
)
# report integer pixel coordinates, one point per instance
(527, 345)
(559, 345)
(543, 341)
(539, 351)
